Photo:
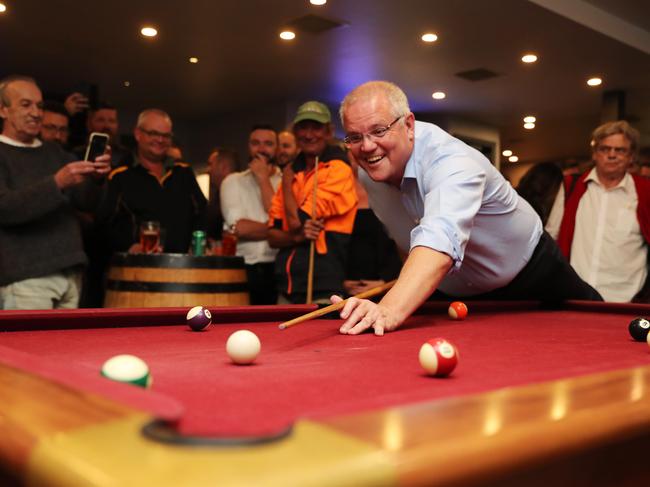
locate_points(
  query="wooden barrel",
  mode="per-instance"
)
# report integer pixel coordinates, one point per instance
(153, 280)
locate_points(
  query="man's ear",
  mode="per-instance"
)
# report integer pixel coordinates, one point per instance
(409, 122)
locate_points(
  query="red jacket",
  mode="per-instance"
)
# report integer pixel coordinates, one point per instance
(567, 227)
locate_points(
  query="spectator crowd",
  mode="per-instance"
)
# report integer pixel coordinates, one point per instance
(301, 193)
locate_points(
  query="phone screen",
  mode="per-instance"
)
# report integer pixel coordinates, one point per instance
(96, 146)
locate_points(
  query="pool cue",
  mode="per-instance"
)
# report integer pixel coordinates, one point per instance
(337, 306)
(310, 272)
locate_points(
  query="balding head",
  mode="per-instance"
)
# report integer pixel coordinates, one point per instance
(21, 107)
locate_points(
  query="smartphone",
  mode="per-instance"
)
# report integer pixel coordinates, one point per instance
(96, 146)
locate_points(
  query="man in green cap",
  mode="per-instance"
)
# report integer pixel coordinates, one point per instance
(300, 215)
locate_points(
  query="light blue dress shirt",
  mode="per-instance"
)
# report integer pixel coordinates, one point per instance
(453, 200)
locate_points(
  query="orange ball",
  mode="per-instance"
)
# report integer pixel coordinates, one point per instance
(457, 310)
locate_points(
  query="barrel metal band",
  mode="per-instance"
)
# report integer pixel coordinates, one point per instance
(177, 287)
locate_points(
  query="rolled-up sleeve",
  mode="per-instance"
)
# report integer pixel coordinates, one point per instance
(452, 195)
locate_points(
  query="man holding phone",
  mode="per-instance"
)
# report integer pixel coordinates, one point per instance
(41, 254)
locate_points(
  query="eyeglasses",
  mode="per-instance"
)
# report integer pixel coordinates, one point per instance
(374, 134)
(619, 151)
(155, 133)
(54, 128)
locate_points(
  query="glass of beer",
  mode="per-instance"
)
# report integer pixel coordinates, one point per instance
(228, 241)
(149, 236)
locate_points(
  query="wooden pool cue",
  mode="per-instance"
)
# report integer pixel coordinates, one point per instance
(310, 272)
(337, 306)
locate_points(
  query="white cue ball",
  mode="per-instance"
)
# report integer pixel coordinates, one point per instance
(243, 346)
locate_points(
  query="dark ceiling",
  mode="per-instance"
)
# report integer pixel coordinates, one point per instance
(243, 63)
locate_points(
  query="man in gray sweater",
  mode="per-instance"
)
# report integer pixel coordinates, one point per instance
(41, 253)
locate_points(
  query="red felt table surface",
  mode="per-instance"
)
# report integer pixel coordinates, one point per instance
(311, 370)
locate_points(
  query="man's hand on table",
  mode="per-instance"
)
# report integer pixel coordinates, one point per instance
(361, 314)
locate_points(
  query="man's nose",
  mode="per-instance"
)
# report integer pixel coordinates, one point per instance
(367, 144)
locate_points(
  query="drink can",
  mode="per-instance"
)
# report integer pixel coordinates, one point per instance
(199, 242)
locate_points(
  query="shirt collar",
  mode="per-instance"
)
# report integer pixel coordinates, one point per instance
(9, 141)
(626, 183)
(168, 163)
(410, 170)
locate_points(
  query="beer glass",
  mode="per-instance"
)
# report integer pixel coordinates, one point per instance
(228, 241)
(149, 236)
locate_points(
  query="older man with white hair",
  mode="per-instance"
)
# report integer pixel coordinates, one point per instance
(41, 254)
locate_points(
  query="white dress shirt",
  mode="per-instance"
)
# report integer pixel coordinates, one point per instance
(453, 200)
(241, 198)
(608, 250)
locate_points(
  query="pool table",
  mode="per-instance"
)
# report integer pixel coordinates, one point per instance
(540, 396)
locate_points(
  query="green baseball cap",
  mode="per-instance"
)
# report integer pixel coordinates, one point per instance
(313, 110)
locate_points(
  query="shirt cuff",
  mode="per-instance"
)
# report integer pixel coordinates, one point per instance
(439, 240)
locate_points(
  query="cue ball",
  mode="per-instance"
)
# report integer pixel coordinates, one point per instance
(438, 357)
(457, 310)
(127, 368)
(639, 329)
(199, 318)
(243, 346)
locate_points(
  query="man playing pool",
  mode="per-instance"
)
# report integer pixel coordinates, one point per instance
(467, 231)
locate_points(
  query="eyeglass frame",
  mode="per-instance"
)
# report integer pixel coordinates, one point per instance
(619, 151)
(374, 134)
(155, 133)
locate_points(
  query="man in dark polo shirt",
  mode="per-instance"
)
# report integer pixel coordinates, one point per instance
(153, 188)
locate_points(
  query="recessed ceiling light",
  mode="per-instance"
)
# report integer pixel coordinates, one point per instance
(429, 37)
(194, 60)
(287, 35)
(529, 119)
(318, 2)
(149, 31)
(513, 158)
(127, 83)
(439, 95)
(529, 126)
(529, 58)
(506, 153)
(3, 8)
(594, 81)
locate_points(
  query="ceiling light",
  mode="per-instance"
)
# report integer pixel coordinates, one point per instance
(127, 83)
(429, 37)
(149, 32)
(594, 81)
(529, 126)
(513, 158)
(529, 58)
(529, 119)
(3, 8)
(439, 95)
(287, 35)
(194, 60)
(506, 153)
(318, 2)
